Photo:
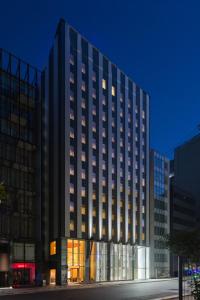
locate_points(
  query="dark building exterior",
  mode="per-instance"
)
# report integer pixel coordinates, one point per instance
(159, 215)
(96, 209)
(187, 169)
(19, 170)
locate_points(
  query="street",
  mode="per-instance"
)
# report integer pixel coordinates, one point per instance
(126, 291)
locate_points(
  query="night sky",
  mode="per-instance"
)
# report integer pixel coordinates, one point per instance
(156, 42)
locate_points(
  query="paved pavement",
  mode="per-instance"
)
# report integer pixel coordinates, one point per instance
(153, 289)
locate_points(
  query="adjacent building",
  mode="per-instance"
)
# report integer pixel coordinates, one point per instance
(159, 215)
(19, 170)
(96, 162)
(187, 169)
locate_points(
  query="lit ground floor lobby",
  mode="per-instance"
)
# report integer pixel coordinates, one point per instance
(73, 260)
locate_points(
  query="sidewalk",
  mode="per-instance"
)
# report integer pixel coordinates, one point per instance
(11, 291)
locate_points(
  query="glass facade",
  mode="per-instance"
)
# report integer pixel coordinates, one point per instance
(159, 214)
(19, 150)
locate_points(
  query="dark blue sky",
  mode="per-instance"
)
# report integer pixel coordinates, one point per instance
(155, 42)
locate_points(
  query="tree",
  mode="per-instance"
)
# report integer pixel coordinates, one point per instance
(186, 244)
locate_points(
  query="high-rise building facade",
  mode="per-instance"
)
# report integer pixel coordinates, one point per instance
(19, 170)
(96, 209)
(159, 215)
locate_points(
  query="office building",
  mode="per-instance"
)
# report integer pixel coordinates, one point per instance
(96, 208)
(187, 169)
(159, 215)
(182, 215)
(19, 170)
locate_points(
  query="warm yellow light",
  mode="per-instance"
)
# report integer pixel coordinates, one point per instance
(53, 248)
(113, 91)
(104, 84)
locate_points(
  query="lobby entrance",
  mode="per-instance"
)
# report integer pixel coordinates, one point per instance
(76, 260)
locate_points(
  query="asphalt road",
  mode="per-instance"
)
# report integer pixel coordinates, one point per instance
(139, 291)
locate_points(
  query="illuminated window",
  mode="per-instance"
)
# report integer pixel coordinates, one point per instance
(94, 94)
(83, 139)
(83, 192)
(143, 182)
(143, 114)
(71, 226)
(83, 86)
(72, 134)
(83, 121)
(103, 199)
(72, 152)
(83, 104)
(121, 203)
(83, 210)
(94, 128)
(94, 112)
(94, 146)
(93, 179)
(129, 220)
(83, 227)
(93, 196)
(94, 229)
(104, 230)
(94, 162)
(113, 217)
(72, 115)
(103, 214)
(121, 219)
(71, 170)
(71, 207)
(83, 157)
(72, 78)
(94, 212)
(143, 209)
(143, 236)
(113, 91)
(53, 248)
(83, 175)
(104, 84)
(71, 190)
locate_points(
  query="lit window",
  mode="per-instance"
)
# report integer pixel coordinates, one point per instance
(94, 95)
(143, 236)
(71, 115)
(83, 210)
(143, 182)
(83, 158)
(94, 111)
(103, 133)
(129, 220)
(71, 226)
(83, 86)
(72, 78)
(53, 248)
(93, 196)
(83, 227)
(103, 214)
(143, 128)
(143, 209)
(94, 179)
(71, 189)
(94, 213)
(113, 91)
(83, 175)
(103, 182)
(83, 121)
(94, 162)
(103, 199)
(104, 117)
(83, 192)
(71, 171)
(143, 114)
(113, 217)
(71, 152)
(104, 84)
(104, 230)
(121, 219)
(71, 207)
(72, 134)
(121, 99)
(94, 229)
(83, 139)
(121, 203)
(94, 146)
(83, 104)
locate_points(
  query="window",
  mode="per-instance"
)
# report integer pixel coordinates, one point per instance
(71, 226)
(83, 69)
(103, 214)
(71, 207)
(83, 210)
(104, 84)
(83, 192)
(94, 212)
(113, 91)
(83, 227)
(53, 248)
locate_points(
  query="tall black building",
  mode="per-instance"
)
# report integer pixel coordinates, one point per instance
(97, 166)
(19, 169)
